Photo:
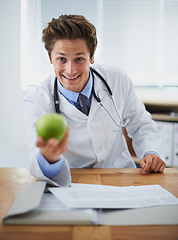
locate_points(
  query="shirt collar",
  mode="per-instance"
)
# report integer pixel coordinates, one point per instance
(73, 96)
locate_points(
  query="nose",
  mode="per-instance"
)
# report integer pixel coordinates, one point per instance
(70, 68)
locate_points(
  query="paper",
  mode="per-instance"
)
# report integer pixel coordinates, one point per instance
(49, 202)
(109, 197)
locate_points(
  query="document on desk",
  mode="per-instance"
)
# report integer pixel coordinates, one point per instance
(35, 205)
(110, 197)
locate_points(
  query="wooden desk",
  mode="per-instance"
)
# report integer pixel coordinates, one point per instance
(11, 179)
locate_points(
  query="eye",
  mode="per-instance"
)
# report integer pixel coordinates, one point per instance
(62, 60)
(79, 59)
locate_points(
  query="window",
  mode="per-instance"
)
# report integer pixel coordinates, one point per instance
(139, 36)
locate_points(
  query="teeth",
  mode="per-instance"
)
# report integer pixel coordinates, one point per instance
(71, 78)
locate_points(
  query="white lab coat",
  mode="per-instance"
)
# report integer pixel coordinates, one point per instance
(95, 140)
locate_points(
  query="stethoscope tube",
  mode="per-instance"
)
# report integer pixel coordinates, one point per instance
(93, 71)
(56, 97)
(103, 80)
(121, 124)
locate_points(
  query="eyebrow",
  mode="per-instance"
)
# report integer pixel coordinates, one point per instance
(63, 54)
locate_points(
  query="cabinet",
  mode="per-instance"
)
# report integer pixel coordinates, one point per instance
(169, 142)
(165, 115)
(163, 106)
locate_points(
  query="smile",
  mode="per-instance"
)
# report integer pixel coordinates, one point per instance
(74, 78)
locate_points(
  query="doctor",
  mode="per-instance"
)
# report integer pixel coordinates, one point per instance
(94, 138)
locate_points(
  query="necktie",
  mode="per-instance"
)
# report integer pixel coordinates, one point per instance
(83, 106)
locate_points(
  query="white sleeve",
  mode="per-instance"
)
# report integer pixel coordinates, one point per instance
(141, 128)
(37, 103)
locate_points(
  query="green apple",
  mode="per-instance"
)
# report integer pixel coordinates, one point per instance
(52, 125)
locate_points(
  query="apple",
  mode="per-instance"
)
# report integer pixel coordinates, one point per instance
(51, 125)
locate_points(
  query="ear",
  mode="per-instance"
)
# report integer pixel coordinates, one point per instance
(92, 59)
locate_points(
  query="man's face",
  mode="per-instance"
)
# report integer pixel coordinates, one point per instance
(71, 62)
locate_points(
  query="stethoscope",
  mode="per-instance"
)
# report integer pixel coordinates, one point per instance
(93, 71)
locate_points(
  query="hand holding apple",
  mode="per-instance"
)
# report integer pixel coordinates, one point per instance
(52, 143)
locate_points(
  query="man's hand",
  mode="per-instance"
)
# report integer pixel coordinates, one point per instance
(53, 149)
(152, 163)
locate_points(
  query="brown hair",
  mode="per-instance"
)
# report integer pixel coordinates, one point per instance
(70, 27)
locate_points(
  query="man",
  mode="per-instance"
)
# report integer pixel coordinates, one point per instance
(94, 138)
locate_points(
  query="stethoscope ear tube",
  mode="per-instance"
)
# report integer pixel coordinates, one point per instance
(93, 87)
(56, 98)
(103, 80)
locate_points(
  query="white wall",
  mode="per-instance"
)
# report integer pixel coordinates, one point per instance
(13, 146)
